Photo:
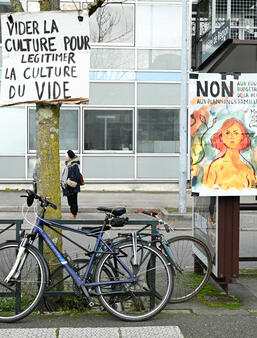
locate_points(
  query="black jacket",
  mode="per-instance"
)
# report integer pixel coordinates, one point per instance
(73, 177)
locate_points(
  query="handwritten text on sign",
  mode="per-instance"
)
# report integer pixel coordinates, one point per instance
(45, 57)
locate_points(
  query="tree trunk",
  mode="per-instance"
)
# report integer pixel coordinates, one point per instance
(48, 165)
(48, 159)
(47, 134)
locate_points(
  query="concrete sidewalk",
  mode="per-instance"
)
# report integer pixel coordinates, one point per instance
(96, 332)
(11, 205)
(88, 201)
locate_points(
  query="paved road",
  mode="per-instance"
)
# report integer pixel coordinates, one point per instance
(112, 199)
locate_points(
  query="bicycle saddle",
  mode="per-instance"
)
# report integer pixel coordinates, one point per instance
(114, 211)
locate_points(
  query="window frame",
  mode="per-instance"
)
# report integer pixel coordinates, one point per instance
(158, 154)
(119, 44)
(132, 151)
(61, 151)
(153, 4)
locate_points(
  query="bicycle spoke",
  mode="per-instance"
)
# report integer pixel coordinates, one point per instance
(136, 300)
(26, 291)
(191, 272)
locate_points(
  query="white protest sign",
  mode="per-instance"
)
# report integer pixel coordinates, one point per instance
(46, 57)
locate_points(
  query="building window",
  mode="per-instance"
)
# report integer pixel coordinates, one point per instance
(13, 132)
(158, 94)
(108, 130)
(158, 131)
(113, 24)
(12, 167)
(32, 166)
(158, 59)
(68, 129)
(159, 26)
(112, 58)
(115, 93)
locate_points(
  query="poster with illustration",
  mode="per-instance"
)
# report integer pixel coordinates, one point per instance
(223, 130)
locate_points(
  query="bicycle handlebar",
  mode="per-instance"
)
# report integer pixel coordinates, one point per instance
(149, 213)
(44, 201)
(154, 214)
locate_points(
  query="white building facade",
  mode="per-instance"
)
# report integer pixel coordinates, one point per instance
(129, 131)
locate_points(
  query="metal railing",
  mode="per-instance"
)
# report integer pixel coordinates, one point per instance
(18, 223)
(85, 223)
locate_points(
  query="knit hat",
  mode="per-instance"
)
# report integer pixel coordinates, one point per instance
(71, 154)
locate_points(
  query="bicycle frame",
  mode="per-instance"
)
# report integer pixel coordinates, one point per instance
(142, 236)
(100, 243)
(162, 241)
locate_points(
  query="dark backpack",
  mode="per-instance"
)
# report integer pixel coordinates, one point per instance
(81, 180)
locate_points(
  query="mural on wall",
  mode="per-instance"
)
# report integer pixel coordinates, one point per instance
(223, 129)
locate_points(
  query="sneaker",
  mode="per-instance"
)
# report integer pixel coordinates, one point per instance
(73, 216)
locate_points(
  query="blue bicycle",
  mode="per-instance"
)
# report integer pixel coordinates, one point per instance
(124, 278)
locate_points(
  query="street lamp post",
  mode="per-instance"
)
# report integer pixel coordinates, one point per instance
(183, 111)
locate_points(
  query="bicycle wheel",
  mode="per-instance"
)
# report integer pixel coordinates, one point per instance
(192, 263)
(20, 296)
(135, 301)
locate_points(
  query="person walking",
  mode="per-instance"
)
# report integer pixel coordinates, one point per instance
(70, 182)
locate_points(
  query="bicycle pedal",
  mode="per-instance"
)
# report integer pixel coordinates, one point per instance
(86, 293)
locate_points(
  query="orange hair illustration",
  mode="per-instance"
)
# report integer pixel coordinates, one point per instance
(230, 169)
(217, 141)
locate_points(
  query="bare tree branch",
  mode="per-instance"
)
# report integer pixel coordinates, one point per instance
(93, 7)
(49, 5)
(107, 23)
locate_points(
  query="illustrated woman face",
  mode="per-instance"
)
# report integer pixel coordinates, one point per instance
(232, 136)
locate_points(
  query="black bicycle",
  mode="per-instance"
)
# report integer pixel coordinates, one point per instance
(190, 258)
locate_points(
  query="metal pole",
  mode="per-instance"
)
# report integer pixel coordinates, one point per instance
(183, 112)
(213, 19)
(229, 10)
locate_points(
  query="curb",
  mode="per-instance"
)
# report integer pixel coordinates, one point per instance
(96, 332)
